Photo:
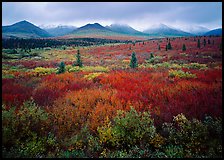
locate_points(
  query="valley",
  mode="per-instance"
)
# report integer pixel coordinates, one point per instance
(43, 85)
(112, 80)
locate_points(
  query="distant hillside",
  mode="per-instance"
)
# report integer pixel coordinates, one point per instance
(214, 32)
(23, 29)
(94, 29)
(164, 30)
(125, 29)
(196, 30)
(60, 30)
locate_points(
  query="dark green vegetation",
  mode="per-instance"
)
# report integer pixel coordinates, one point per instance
(41, 43)
(184, 47)
(134, 61)
(78, 60)
(61, 68)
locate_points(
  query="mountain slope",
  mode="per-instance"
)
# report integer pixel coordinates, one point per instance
(125, 29)
(94, 29)
(197, 30)
(164, 30)
(214, 32)
(24, 29)
(60, 30)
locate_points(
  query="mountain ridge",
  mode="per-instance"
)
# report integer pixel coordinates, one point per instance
(214, 32)
(24, 29)
(164, 30)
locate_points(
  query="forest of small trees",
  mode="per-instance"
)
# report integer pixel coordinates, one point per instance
(41, 43)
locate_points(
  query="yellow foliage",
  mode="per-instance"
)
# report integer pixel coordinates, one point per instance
(157, 141)
(40, 71)
(126, 61)
(92, 75)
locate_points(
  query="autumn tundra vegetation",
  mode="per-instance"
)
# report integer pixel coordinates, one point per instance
(159, 98)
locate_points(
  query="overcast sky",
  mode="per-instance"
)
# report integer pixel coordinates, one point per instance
(139, 15)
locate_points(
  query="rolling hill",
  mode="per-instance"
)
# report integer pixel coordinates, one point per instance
(23, 29)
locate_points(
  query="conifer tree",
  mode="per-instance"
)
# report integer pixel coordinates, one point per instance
(151, 55)
(61, 68)
(184, 47)
(78, 60)
(169, 46)
(199, 45)
(209, 42)
(133, 62)
(204, 42)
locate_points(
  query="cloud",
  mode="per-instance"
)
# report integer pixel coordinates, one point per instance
(139, 15)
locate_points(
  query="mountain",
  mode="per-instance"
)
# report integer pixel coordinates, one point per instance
(93, 30)
(95, 26)
(165, 31)
(59, 30)
(197, 30)
(24, 29)
(125, 29)
(214, 32)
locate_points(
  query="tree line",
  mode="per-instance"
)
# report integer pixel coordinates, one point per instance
(13, 43)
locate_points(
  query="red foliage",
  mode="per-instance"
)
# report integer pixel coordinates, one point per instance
(166, 98)
(54, 86)
(14, 94)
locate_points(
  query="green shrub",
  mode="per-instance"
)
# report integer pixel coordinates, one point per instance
(195, 136)
(172, 151)
(40, 71)
(118, 154)
(195, 66)
(25, 132)
(92, 75)
(129, 128)
(9, 51)
(73, 154)
(73, 69)
(180, 74)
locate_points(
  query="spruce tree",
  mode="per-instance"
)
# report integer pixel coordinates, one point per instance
(151, 55)
(61, 68)
(199, 45)
(159, 47)
(184, 47)
(78, 60)
(209, 42)
(204, 42)
(133, 62)
(169, 46)
(166, 47)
